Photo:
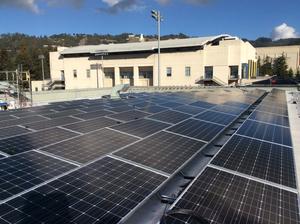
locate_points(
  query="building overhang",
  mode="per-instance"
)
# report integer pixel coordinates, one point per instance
(143, 47)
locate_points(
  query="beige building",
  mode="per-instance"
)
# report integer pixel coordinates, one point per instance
(292, 54)
(219, 59)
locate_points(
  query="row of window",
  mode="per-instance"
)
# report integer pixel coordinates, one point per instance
(88, 73)
(123, 75)
(209, 72)
(187, 71)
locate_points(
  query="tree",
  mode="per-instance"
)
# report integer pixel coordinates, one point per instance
(280, 67)
(290, 73)
(266, 67)
(298, 73)
(5, 60)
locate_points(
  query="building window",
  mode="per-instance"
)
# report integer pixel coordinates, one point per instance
(36, 89)
(234, 72)
(75, 73)
(245, 73)
(169, 71)
(187, 71)
(88, 73)
(209, 72)
(62, 75)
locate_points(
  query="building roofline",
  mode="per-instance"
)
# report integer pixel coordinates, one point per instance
(143, 46)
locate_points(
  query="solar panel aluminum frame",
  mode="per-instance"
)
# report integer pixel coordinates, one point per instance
(233, 172)
(260, 139)
(245, 175)
(229, 173)
(176, 172)
(43, 183)
(184, 164)
(74, 170)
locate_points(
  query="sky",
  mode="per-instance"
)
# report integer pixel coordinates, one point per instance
(249, 19)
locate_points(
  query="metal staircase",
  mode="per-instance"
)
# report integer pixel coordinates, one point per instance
(212, 81)
(54, 85)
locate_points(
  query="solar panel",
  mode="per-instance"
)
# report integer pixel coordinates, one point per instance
(270, 118)
(270, 103)
(63, 113)
(21, 121)
(121, 108)
(142, 104)
(197, 129)
(94, 108)
(190, 109)
(91, 125)
(219, 197)
(6, 116)
(22, 113)
(158, 100)
(83, 149)
(153, 109)
(68, 107)
(236, 104)
(219, 118)
(141, 128)
(203, 104)
(51, 123)
(42, 109)
(264, 160)
(268, 132)
(228, 109)
(170, 116)
(102, 192)
(23, 143)
(117, 103)
(11, 131)
(21, 172)
(92, 115)
(171, 104)
(129, 115)
(273, 109)
(163, 151)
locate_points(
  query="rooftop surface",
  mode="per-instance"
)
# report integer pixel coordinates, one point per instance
(215, 156)
(141, 46)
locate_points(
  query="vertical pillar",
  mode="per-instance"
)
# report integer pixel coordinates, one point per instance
(136, 76)
(117, 76)
(155, 72)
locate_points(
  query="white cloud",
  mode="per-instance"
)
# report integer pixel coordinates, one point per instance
(116, 6)
(33, 6)
(113, 6)
(284, 31)
(30, 5)
(111, 2)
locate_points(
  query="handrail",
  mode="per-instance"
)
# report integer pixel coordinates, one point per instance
(219, 81)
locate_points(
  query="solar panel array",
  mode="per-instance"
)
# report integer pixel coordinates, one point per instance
(97, 160)
(251, 179)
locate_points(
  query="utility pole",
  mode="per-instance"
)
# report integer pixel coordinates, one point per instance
(101, 53)
(158, 17)
(42, 57)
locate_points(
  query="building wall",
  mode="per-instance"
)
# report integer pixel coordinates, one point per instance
(292, 54)
(227, 53)
(56, 64)
(37, 85)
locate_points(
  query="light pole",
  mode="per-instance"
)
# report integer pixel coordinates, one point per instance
(158, 17)
(101, 53)
(42, 57)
